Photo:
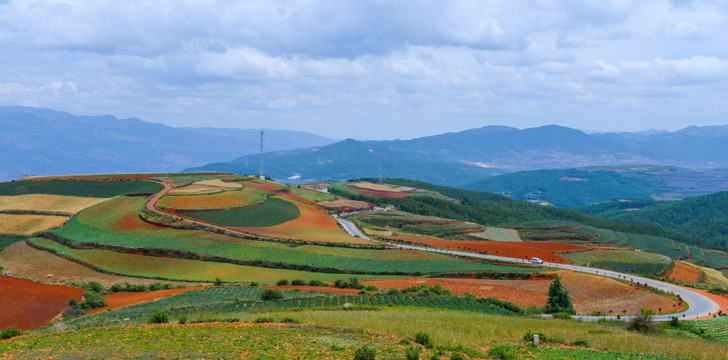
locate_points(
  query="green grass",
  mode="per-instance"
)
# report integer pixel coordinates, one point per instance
(272, 212)
(83, 188)
(6, 241)
(205, 341)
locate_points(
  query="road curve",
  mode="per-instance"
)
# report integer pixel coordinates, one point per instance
(700, 306)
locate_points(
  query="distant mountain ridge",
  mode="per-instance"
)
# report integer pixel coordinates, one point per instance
(46, 142)
(459, 158)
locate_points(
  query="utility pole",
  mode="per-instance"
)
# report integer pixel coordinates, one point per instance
(260, 171)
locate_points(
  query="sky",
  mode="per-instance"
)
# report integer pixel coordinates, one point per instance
(372, 69)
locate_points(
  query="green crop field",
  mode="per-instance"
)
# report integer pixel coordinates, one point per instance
(607, 237)
(181, 269)
(83, 188)
(626, 261)
(6, 241)
(274, 211)
(716, 328)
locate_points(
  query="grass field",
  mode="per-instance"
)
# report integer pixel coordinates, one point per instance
(49, 203)
(628, 261)
(181, 269)
(499, 234)
(81, 188)
(272, 212)
(29, 224)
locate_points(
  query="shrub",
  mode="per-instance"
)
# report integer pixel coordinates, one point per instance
(159, 317)
(642, 322)
(182, 319)
(290, 320)
(254, 284)
(263, 320)
(282, 282)
(580, 342)
(9, 333)
(365, 353)
(562, 315)
(457, 356)
(271, 294)
(298, 282)
(95, 287)
(315, 283)
(335, 347)
(503, 352)
(412, 353)
(93, 300)
(423, 339)
(72, 302)
(674, 322)
(218, 282)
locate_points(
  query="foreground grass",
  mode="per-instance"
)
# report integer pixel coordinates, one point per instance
(476, 330)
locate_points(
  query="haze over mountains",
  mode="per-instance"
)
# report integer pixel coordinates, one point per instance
(44, 142)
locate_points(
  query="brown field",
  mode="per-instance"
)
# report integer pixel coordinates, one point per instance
(122, 299)
(51, 203)
(344, 203)
(374, 193)
(498, 234)
(380, 187)
(218, 200)
(29, 224)
(323, 289)
(260, 185)
(22, 260)
(313, 225)
(521, 250)
(206, 187)
(683, 272)
(28, 305)
(589, 293)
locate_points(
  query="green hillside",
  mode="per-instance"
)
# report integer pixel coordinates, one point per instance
(704, 217)
(569, 187)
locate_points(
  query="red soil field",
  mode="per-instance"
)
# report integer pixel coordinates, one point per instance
(684, 272)
(374, 193)
(28, 305)
(323, 289)
(521, 250)
(260, 185)
(131, 222)
(588, 292)
(122, 299)
(312, 225)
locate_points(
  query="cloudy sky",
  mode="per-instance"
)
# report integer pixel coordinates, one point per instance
(372, 69)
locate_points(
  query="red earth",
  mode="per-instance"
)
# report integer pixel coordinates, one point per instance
(684, 272)
(522, 250)
(374, 193)
(122, 299)
(26, 305)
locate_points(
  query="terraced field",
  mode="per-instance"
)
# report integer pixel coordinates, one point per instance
(83, 188)
(11, 224)
(272, 212)
(417, 224)
(219, 200)
(47, 203)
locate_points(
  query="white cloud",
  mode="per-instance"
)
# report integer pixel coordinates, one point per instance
(371, 69)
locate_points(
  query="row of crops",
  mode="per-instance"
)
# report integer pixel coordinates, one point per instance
(84, 188)
(716, 328)
(237, 299)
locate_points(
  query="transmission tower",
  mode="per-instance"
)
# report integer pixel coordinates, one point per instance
(260, 171)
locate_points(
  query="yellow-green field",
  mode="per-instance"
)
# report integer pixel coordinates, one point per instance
(11, 224)
(49, 203)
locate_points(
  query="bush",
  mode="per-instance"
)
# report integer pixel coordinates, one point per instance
(271, 294)
(182, 319)
(365, 353)
(562, 315)
(95, 287)
(290, 320)
(298, 282)
(412, 353)
(253, 284)
(159, 317)
(72, 302)
(457, 356)
(9, 333)
(503, 352)
(423, 339)
(642, 322)
(371, 288)
(93, 300)
(218, 282)
(580, 342)
(315, 283)
(282, 282)
(674, 322)
(263, 320)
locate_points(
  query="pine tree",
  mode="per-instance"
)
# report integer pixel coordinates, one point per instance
(559, 300)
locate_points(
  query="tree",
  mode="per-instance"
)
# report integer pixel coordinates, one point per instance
(559, 300)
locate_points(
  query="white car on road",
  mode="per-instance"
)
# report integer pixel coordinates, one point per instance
(535, 260)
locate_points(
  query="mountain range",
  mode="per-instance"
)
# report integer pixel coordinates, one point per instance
(46, 142)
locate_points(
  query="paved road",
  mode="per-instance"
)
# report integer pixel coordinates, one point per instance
(700, 305)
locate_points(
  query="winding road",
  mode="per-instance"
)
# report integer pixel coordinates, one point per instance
(700, 306)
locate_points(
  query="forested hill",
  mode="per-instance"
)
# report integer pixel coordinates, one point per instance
(496, 210)
(703, 217)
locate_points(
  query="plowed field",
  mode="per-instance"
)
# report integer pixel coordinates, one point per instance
(588, 292)
(27, 305)
(122, 299)
(684, 272)
(522, 250)
(219, 200)
(375, 193)
(312, 225)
